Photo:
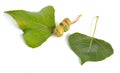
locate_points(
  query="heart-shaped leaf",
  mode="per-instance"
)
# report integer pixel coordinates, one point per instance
(37, 26)
(96, 51)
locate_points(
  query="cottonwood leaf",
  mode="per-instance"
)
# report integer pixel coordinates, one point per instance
(37, 26)
(80, 44)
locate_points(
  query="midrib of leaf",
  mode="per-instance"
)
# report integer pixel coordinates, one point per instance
(92, 37)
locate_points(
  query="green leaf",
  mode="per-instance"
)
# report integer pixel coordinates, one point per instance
(37, 26)
(81, 45)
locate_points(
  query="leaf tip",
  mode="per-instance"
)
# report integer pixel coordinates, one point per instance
(82, 61)
(7, 12)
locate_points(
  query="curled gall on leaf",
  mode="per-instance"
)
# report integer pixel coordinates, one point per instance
(59, 30)
(64, 26)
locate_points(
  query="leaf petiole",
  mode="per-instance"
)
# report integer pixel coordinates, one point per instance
(76, 19)
(92, 37)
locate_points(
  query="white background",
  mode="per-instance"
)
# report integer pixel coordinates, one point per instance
(55, 56)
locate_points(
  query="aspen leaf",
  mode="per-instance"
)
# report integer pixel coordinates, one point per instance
(37, 26)
(80, 44)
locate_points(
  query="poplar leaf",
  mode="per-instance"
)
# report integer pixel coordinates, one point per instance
(37, 26)
(96, 51)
